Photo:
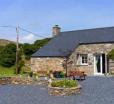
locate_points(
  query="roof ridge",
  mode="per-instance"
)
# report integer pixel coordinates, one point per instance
(88, 29)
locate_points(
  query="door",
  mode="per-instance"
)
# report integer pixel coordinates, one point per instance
(104, 64)
(98, 64)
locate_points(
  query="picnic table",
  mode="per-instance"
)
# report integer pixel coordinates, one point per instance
(77, 73)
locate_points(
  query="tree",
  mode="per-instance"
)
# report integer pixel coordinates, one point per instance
(21, 60)
(8, 55)
(28, 50)
(66, 52)
(1, 48)
(40, 43)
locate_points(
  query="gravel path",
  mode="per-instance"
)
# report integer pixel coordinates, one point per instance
(95, 90)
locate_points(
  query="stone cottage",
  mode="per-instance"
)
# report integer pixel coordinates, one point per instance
(84, 50)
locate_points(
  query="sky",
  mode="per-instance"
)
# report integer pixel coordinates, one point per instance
(39, 16)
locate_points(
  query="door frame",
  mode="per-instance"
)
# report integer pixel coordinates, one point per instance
(101, 64)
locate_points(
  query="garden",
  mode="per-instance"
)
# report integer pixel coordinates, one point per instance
(60, 86)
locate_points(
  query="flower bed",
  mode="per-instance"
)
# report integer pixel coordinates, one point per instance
(64, 83)
(64, 88)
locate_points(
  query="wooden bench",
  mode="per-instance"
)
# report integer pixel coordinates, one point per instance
(76, 73)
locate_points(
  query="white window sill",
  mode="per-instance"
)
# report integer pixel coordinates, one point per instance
(83, 64)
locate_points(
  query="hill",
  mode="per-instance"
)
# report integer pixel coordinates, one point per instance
(4, 42)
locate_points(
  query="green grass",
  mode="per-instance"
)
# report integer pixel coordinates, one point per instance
(7, 71)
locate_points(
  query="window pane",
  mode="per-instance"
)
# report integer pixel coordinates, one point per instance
(84, 59)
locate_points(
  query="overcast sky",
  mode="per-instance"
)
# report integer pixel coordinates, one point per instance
(39, 16)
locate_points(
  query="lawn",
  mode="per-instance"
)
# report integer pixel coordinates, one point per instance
(7, 71)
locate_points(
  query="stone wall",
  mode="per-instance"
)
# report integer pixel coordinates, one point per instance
(38, 64)
(111, 66)
(61, 91)
(91, 50)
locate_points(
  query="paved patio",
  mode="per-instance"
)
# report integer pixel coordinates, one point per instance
(95, 90)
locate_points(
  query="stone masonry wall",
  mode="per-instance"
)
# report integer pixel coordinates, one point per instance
(91, 50)
(38, 64)
(111, 66)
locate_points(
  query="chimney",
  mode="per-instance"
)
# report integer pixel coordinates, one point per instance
(56, 30)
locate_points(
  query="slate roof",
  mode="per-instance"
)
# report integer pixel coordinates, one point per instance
(67, 42)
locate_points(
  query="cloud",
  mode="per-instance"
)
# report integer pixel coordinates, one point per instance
(30, 38)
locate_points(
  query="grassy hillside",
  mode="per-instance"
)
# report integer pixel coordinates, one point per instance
(4, 42)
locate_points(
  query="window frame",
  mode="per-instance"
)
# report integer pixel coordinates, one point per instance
(85, 60)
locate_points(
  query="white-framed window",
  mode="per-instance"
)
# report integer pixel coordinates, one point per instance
(84, 59)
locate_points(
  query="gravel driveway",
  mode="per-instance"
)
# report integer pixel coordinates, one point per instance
(95, 90)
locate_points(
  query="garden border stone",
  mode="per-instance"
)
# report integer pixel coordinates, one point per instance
(61, 91)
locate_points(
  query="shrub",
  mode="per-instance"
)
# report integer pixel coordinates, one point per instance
(64, 83)
(31, 74)
(111, 54)
(62, 75)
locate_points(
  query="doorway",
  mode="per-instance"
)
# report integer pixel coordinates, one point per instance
(100, 64)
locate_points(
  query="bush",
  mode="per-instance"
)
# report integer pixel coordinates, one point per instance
(111, 54)
(31, 74)
(62, 75)
(64, 83)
